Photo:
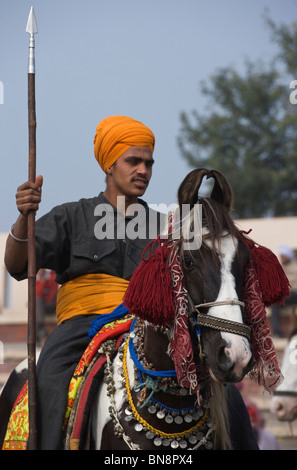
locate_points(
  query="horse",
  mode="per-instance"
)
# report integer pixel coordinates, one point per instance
(141, 401)
(169, 380)
(284, 401)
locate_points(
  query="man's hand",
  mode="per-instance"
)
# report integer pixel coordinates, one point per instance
(28, 196)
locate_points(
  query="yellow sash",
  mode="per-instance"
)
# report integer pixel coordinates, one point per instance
(90, 294)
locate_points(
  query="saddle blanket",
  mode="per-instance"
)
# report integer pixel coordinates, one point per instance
(83, 385)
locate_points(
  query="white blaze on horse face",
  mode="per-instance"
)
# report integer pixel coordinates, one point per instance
(238, 348)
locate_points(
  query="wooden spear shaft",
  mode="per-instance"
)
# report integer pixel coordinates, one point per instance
(31, 335)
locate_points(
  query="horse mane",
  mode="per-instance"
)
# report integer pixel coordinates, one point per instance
(216, 209)
(220, 416)
(217, 218)
(217, 223)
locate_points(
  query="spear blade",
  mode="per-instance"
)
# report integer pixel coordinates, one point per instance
(31, 27)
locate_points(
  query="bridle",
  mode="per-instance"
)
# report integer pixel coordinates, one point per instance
(221, 324)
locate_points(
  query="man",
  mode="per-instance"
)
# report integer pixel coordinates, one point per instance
(92, 267)
(289, 264)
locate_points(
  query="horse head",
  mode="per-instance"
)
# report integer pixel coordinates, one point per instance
(214, 275)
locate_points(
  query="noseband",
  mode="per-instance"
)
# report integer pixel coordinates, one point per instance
(221, 324)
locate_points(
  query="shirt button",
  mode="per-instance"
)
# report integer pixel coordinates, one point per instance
(95, 256)
(124, 241)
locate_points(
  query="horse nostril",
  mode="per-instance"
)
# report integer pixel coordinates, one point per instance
(225, 361)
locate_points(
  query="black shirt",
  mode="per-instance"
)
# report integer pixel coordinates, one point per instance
(91, 236)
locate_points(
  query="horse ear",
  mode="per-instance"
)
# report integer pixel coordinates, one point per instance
(221, 191)
(188, 190)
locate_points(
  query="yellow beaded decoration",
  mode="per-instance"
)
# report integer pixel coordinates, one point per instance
(137, 416)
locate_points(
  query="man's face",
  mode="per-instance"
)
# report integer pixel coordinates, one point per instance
(130, 175)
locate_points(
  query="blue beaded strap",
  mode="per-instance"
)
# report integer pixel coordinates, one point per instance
(197, 327)
(173, 410)
(153, 373)
(155, 401)
(101, 320)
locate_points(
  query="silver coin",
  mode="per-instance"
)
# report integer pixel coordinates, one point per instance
(166, 442)
(183, 392)
(138, 427)
(169, 419)
(150, 435)
(209, 445)
(128, 418)
(152, 409)
(198, 414)
(199, 435)
(188, 418)
(192, 440)
(183, 444)
(161, 414)
(157, 441)
(174, 444)
(128, 411)
(178, 420)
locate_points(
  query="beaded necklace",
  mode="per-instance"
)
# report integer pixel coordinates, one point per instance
(160, 373)
(198, 435)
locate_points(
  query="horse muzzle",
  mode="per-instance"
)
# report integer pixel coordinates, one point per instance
(233, 360)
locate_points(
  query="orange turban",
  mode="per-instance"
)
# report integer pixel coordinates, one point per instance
(115, 135)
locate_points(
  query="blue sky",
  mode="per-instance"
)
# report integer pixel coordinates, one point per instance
(96, 58)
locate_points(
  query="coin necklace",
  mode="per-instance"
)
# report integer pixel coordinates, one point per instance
(194, 435)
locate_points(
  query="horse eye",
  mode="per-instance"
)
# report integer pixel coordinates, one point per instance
(189, 262)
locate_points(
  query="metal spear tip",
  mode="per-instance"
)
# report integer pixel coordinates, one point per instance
(31, 24)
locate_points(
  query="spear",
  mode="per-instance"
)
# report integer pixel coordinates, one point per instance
(31, 335)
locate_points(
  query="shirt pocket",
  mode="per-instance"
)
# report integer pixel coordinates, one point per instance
(91, 251)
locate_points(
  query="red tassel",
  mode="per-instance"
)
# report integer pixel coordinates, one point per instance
(273, 282)
(150, 295)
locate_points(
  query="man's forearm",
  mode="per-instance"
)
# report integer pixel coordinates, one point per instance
(16, 251)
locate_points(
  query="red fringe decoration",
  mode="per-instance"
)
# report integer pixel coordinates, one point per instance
(265, 370)
(273, 282)
(150, 295)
